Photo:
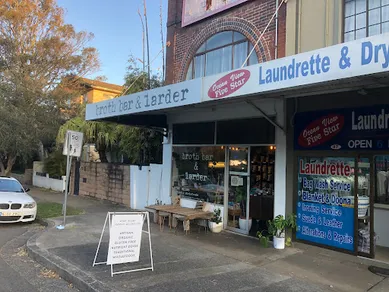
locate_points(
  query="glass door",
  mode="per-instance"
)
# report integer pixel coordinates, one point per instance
(365, 229)
(380, 207)
(238, 190)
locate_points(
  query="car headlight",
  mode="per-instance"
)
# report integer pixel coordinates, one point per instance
(30, 205)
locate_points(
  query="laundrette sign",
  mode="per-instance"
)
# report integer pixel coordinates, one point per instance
(346, 60)
(175, 95)
(365, 128)
(342, 61)
(356, 58)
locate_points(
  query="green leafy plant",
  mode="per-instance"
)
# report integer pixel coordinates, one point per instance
(263, 238)
(278, 226)
(288, 241)
(216, 216)
(240, 198)
(55, 164)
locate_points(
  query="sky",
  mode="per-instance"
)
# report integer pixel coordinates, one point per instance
(118, 31)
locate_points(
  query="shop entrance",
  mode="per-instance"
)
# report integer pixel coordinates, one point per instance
(373, 206)
(250, 196)
(380, 212)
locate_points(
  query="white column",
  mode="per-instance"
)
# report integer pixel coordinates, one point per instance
(280, 164)
(167, 168)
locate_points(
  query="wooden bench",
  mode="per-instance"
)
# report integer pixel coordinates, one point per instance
(161, 218)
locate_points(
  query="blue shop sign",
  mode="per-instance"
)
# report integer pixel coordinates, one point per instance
(325, 205)
(364, 128)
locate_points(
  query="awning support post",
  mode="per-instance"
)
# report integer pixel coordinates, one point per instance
(275, 124)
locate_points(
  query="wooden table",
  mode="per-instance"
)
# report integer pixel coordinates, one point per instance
(155, 209)
(187, 214)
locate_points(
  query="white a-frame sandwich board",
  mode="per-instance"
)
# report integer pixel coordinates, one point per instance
(125, 237)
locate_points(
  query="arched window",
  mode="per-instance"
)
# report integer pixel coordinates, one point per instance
(222, 52)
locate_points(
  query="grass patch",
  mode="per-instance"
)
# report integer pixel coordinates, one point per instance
(52, 210)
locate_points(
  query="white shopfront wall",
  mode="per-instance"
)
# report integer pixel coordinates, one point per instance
(258, 91)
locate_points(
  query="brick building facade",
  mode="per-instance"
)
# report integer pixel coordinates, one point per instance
(249, 18)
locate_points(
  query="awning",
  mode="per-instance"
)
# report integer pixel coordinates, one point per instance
(349, 66)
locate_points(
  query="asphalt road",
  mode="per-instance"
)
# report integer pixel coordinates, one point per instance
(17, 271)
(10, 280)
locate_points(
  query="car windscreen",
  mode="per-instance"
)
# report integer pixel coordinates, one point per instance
(7, 185)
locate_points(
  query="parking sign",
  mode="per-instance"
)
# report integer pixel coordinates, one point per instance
(75, 143)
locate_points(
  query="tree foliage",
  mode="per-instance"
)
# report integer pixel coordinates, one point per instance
(139, 145)
(55, 164)
(38, 51)
(103, 135)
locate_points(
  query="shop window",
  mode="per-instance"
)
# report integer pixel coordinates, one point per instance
(381, 164)
(363, 18)
(239, 132)
(245, 132)
(198, 173)
(325, 201)
(194, 133)
(222, 52)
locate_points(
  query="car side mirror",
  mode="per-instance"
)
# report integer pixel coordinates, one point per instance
(26, 190)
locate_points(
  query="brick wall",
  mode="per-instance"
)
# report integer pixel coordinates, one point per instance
(250, 19)
(104, 181)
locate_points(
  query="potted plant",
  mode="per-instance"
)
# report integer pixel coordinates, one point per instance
(240, 196)
(216, 224)
(278, 227)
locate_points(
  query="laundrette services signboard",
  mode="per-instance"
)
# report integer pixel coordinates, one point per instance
(360, 57)
(325, 205)
(174, 95)
(365, 128)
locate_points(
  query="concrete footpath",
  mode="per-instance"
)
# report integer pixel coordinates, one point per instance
(195, 262)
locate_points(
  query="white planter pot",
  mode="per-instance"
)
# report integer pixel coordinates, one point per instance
(214, 227)
(279, 242)
(243, 224)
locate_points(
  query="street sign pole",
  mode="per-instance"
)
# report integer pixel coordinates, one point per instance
(73, 147)
(68, 168)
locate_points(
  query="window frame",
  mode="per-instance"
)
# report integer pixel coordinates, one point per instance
(205, 52)
(355, 14)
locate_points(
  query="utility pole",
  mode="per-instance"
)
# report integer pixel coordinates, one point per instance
(148, 45)
(143, 42)
(162, 42)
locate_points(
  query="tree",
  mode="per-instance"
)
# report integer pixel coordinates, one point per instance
(103, 135)
(141, 146)
(101, 78)
(38, 51)
(136, 80)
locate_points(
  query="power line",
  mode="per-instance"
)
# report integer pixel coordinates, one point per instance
(263, 32)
